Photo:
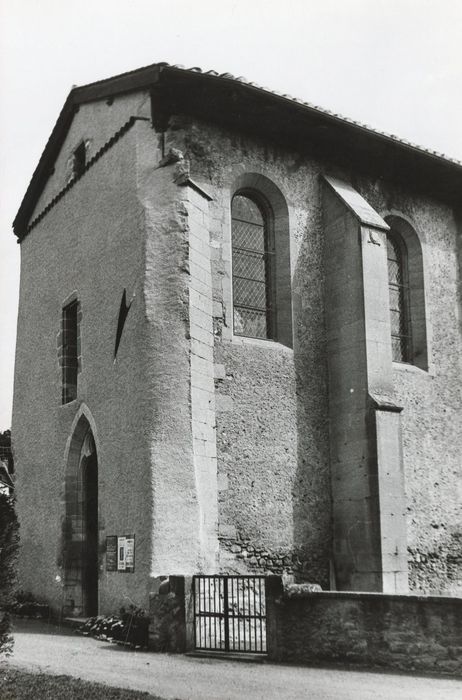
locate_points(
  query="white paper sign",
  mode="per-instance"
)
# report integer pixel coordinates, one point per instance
(130, 552)
(121, 553)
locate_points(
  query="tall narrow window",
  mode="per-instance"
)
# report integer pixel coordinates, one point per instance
(398, 285)
(252, 300)
(69, 352)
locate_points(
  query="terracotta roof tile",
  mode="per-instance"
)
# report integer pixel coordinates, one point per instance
(322, 110)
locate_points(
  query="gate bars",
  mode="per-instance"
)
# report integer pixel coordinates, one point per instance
(230, 613)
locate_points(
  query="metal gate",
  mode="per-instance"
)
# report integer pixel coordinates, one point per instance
(230, 613)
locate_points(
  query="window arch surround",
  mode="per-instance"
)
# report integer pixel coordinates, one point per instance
(268, 200)
(407, 293)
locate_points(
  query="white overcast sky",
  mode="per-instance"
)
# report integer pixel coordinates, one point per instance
(394, 64)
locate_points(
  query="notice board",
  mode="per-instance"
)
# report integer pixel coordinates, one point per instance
(120, 553)
(111, 553)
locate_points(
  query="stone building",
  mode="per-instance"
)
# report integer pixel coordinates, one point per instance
(239, 346)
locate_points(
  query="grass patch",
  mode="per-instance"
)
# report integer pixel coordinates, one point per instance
(20, 685)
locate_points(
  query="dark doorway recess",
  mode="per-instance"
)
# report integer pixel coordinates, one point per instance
(80, 525)
(90, 527)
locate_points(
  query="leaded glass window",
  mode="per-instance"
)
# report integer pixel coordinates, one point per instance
(251, 269)
(398, 286)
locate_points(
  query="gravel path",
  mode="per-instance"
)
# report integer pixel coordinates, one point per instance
(47, 648)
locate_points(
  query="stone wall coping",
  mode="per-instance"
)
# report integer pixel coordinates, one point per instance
(290, 593)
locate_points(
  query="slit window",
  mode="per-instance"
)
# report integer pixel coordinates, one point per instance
(80, 160)
(69, 352)
(252, 262)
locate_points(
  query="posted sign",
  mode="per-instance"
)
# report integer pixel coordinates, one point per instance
(126, 553)
(111, 553)
(120, 553)
(121, 550)
(130, 553)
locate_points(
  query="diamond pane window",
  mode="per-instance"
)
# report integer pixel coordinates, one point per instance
(251, 269)
(398, 285)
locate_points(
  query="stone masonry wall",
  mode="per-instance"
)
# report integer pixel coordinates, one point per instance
(167, 628)
(432, 400)
(272, 425)
(271, 401)
(400, 632)
(270, 398)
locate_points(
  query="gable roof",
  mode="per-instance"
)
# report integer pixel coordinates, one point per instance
(236, 102)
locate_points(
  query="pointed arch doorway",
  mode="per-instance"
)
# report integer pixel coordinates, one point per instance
(81, 524)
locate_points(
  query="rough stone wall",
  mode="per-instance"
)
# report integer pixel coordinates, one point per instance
(167, 613)
(400, 632)
(257, 448)
(96, 255)
(432, 415)
(271, 401)
(431, 400)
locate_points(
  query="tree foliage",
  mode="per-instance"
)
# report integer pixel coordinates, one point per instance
(9, 544)
(5, 449)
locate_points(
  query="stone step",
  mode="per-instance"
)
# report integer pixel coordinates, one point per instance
(74, 622)
(229, 655)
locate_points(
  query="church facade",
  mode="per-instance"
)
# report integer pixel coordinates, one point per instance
(238, 348)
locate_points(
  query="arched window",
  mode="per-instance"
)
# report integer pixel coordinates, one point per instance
(398, 286)
(407, 294)
(252, 250)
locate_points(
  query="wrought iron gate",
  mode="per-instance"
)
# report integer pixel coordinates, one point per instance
(230, 613)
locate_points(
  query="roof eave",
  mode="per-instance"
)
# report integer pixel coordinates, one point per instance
(168, 76)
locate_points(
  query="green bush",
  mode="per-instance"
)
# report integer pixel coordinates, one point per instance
(25, 605)
(9, 543)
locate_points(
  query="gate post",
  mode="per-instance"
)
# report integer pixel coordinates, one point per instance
(226, 612)
(274, 591)
(168, 613)
(189, 613)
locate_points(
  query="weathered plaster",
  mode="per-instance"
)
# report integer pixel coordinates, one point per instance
(98, 255)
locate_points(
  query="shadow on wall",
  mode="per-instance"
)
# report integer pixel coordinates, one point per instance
(312, 509)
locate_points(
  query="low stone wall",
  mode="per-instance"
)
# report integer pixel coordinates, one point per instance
(396, 631)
